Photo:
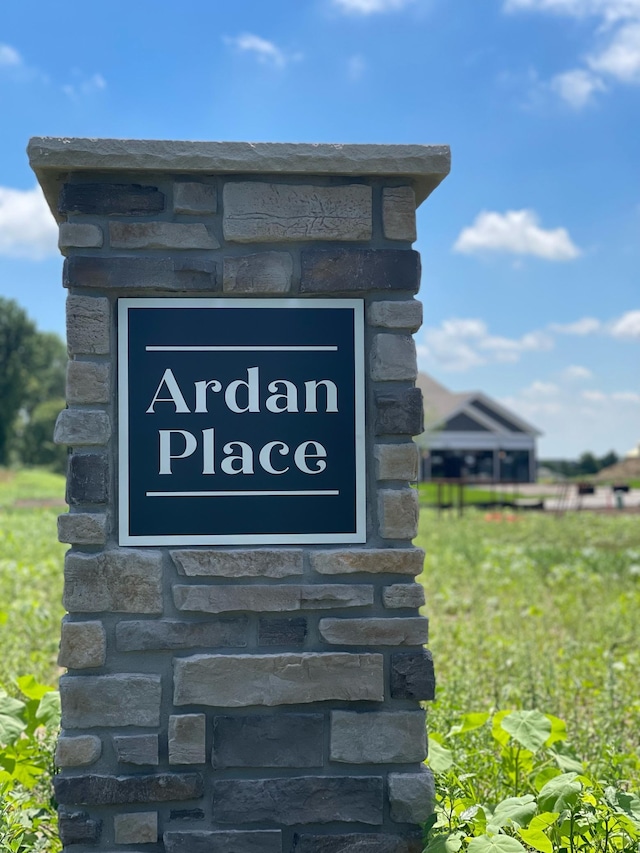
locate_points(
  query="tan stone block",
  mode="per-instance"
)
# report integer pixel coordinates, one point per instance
(82, 427)
(88, 382)
(403, 595)
(239, 563)
(88, 325)
(136, 828)
(123, 580)
(396, 315)
(399, 213)
(393, 358)
(79, 235)
(397, 461)
(187, 739)
(401, 561)
(265, 272)
(78, 751)
(83, 645)
(412, 631)
(82, 528)
(160, 235)
(398, 513)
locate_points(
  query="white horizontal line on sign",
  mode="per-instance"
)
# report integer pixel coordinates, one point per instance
(239, 494)
(241, 349)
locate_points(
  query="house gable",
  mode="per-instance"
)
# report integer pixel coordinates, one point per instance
(490, 412)
(462, 422)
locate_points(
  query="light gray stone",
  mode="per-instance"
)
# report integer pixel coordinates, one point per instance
(125, 580)
(160, 235)
(88, 325)
(88, 382)
(192, 197)
(136, 828)
(275, 598)
(412, 631)
(257, 563)
(399, 213)
(83, 645)
(80, 235)
(411, 796)
(378, 738)
(403, 595)
(82, 427)
(396, 315)
(265, 272)
(82, 528)
(398, 513)
(235, 681)
(257, 212)
(80, 751)
(393, 357)
(136, 749)
(397, 461)
(397, 561)
(125, 699)
(187, 739)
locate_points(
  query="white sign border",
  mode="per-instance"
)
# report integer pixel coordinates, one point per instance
(359, 536)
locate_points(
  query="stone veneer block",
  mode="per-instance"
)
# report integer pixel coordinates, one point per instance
(136, 828)
(401, 561)
(398, 513)
(173, 274)
(186, 814)
(412, 675)
(381, 737)
(88, 325)
(80, 751)
(233, 841)
(357, 842)
(399, 412)
(125, 580)
(149, 635)
(81, 427)
(82, 528)
(393, 358)
(283, 740)
(107, 199)
(399, 213)
(124, 699)
(79, 235)
(160, 235)
(187, 734)
(103, 790)
(88, 382)
(87, 479)
(411, 631)
(278, 597)
(411, 796)
(77, 827)
(357, 270)
(239, 563)
(257, 212)
(295, 800)
(235, 681)
(136, 749)
(403, 595)
(396, 315)
(191, 197)
(83, 645)
(397, 461)
(261, 273)
(282, 631)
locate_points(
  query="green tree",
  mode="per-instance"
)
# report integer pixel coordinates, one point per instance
(609, 459)
(36, 444)
(588, 464)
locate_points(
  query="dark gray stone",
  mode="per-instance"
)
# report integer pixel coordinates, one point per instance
(357, 270)
(136, 749)
(302, 799)
(119, 790)
(399, 412)
(285, 740)
(224, 632)
(357, 842)
(76, 827)
(186, 814)
(412, 675)
(175, 274)
(87, 479)
(260, 841)
(282, 632)
(109, 199)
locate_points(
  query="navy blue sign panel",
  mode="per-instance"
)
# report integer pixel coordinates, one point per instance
(241, 421)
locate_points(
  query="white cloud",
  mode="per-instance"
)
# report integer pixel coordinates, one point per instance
(541, 389)
(626, 396)
(621, 57)
(356, 68)
(627, 326)
(616, 396)
(27, 228)
(370, 7)
(610, 10)
(264, 51)
(594, 396)
(584, 326)
(85, 85)
(9, 56)
(577, 87)
(516, 232)
(576, 371)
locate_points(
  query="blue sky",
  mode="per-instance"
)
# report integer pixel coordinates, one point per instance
(531, 250)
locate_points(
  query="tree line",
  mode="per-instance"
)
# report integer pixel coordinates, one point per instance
(585, 466)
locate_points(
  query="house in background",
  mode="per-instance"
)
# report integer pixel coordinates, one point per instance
(468, 435)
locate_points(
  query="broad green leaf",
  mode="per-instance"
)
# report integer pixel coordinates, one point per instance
(497, 731)
(537, 839)
(495, 844)
(558, 730)
(469, 723)
(544, 776)
(560, 793)
(629, 804)
(10, 728)
(530, 729)
(440, 758)
(514, 810)
(10, 706)
(48, 712)
(444, 844)
(544, 820)
(32, 689)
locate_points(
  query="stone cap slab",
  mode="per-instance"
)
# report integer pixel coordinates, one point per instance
(52, 158)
